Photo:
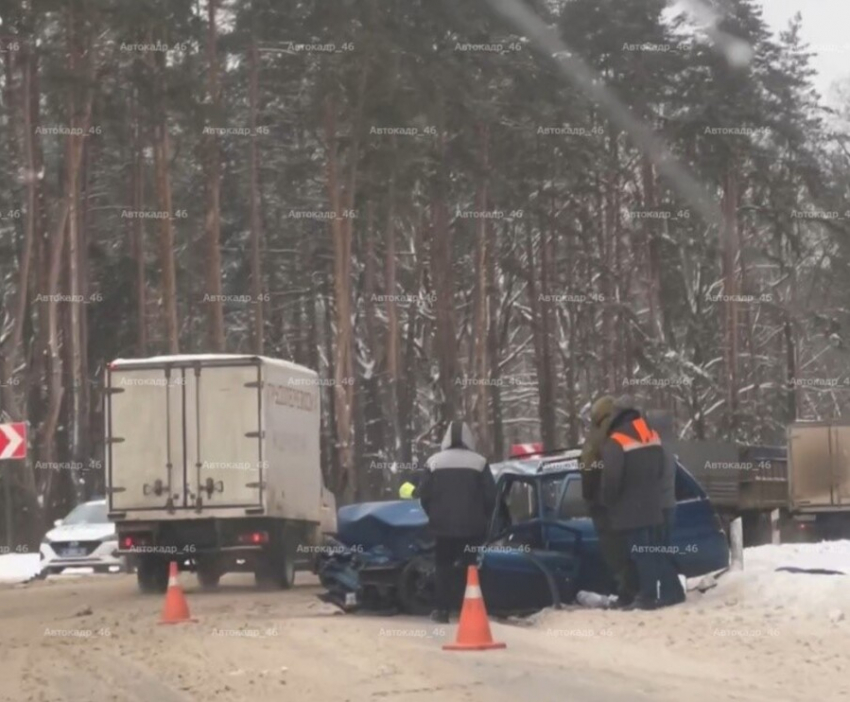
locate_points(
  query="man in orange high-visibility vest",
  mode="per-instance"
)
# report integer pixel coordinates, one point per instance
(612, 548)
(633, 473)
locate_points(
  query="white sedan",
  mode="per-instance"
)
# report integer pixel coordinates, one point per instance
(84, 539)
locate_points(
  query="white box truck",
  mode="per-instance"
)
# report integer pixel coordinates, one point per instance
(819, 477)
(214, 461)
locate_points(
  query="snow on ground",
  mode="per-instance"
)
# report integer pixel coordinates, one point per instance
(21, 567)
(761, 587)
(758, 635)
(817, 584)
(18, 567)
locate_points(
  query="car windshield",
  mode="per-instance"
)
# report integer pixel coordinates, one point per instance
(87, 513)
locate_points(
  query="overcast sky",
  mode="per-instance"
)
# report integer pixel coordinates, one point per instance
(825, 24)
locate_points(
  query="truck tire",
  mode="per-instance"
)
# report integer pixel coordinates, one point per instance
(208, 573)
(152, 575)
(272, 573)
(276, 567)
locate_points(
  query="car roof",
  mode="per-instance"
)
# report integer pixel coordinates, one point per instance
(558, 464)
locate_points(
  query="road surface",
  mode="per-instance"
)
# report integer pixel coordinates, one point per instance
(95, 639)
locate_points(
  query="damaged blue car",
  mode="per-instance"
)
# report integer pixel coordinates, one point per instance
(541, 550)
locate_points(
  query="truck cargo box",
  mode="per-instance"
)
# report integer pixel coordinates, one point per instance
(819, 466)
(210, 436)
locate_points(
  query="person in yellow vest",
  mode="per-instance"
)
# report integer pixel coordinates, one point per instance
(407, 491)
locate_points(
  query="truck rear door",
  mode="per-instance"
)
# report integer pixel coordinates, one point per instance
(223, 446)
(841, 464)
(144, 420)
(810, 465)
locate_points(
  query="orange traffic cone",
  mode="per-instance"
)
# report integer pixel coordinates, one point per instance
(176, 610)
(473, 631)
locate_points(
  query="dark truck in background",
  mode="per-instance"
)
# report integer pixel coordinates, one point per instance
(745, 481)
(799, 492)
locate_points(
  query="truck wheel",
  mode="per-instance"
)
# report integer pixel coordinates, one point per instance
(209, 574)
(416, 586)
(275, 571)
(152, 575)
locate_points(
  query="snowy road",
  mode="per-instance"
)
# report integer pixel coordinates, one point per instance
(95, 639)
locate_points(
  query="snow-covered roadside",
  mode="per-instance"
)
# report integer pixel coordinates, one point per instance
(18, 567)
(759, 634)
(799, 596)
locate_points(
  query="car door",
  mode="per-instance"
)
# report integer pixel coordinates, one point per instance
(697, 540)
(573, 511)
(562, 534)
(512, 579)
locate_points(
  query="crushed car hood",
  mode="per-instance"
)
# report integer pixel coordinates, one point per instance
(400, 526)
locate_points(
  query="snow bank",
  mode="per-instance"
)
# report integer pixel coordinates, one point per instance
(18, 567)
(763, 589)
(798, 595)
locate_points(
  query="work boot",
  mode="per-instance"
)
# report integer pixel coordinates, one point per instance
(672, 602)
(623, 601)
(440, 616)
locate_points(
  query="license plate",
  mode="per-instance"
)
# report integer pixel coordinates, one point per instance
(74, 552)
(350, 599)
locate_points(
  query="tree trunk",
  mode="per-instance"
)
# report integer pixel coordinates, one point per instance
(344, 365)
(215, 303)
(480, 365)
(442, 265)
(407, 391)
(393, 337)
(19, 476)
(75, 307)
(730, 290)
(166, 232)
(138, 230)
(256, 225)
(494, 350)
(66, 222)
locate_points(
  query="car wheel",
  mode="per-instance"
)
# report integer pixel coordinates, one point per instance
(152, 575)
(416, 586)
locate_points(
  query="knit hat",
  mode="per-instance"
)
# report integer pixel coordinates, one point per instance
(602, 408)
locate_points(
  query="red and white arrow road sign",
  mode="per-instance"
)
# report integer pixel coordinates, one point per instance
(13, 440)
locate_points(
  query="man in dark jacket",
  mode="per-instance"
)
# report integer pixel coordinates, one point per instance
(612, 546)
(458, 494)
(632, 487)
